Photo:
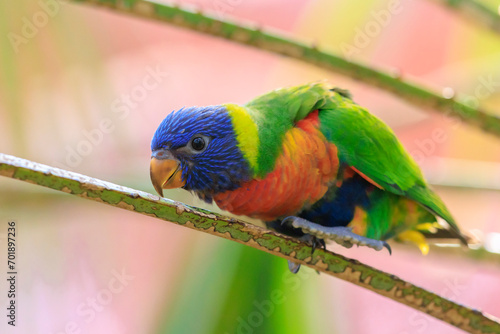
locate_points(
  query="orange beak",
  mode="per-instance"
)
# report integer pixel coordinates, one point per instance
(165, 174)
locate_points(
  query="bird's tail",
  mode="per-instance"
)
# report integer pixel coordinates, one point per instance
(431, 201)
(404, 219)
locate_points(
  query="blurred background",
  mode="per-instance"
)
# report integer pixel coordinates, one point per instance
(84, 89)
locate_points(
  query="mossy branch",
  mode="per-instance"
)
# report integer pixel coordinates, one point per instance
(410, 92)
(327, 262)
(475, 12)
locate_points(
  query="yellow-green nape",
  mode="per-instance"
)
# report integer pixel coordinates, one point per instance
(246, 132)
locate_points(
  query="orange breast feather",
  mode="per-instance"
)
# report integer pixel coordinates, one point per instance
(307, 166)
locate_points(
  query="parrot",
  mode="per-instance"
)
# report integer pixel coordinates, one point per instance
(307, 161)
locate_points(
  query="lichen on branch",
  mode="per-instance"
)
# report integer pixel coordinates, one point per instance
(251, 235)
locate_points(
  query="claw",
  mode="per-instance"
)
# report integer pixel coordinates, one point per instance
(293, 267)
(286, 219)
(341, 235)
(315, 243)
(386, 245)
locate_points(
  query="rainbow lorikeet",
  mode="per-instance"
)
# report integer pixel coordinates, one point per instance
(306, 160)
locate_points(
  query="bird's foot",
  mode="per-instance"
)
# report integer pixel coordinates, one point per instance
(340, 234)
(293, 266)
(311, 240)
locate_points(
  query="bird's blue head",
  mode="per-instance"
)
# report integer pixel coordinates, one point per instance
(196, 148)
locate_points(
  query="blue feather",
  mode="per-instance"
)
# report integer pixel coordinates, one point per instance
(337, 208)
(221, 166)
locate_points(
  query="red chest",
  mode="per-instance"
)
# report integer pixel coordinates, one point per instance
(301, 176)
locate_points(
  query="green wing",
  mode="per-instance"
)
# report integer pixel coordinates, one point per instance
(277, 112)
(369, 145)
(363, 141)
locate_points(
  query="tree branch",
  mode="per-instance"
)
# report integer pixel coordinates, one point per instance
(474, 11)
(410, 92)
(254, 236)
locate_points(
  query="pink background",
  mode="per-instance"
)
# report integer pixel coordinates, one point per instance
(60, 85)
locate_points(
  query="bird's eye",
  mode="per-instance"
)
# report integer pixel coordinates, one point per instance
(198, 143)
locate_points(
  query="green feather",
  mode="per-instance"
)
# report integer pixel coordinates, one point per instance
(369, 145)
(277, 112)
(363, 141)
